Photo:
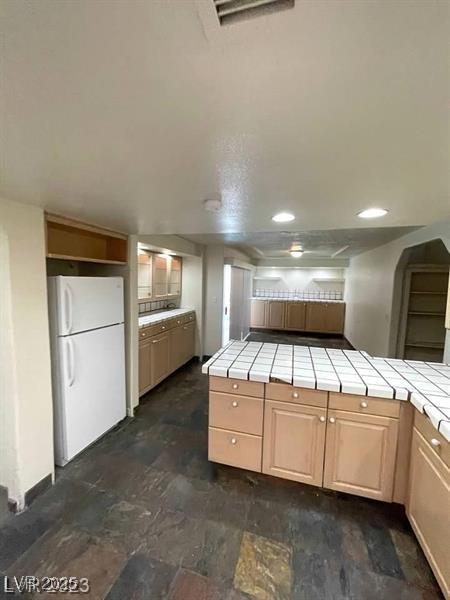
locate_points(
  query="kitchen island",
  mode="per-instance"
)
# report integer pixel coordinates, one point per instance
(341, 420)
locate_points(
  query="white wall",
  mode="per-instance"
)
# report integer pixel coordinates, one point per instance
(299, 279)
(26, 441)
(192, 295)
(371, 318)
(213, 307)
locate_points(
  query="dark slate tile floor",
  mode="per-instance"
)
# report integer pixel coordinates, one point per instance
(290, 337)
(143, 514)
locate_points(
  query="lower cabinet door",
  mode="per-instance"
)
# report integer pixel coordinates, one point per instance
(334, 317)
(275, 314)
(360, 454)
(295, 316)
(159, 358)
(294, 441)
(188, 341)
(315, 316)
(144, 366)
(258, 313)
(428, 507)
(176, 348)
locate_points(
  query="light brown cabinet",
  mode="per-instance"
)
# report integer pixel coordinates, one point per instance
(144, 274)
(428, 506)
(145, 380)
(360, 454)
(258, 313)
(275, 314)
(174, 276)
(163, 348)
(294, 441)
(321, 317)
(295, 316)
(159, 358)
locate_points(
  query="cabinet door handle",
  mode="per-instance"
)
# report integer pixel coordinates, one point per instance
(332, 419)
(163, 327)
(235, 386)
(363, 404)
(185, 328)
(155, 341)
(144, 334)
(295, 395)
(234, 404)
(436, 443)
(234, 441)
(322, 419)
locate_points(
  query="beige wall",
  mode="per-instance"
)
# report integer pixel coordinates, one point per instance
(213, 269)
(371, 319)
(26, 451)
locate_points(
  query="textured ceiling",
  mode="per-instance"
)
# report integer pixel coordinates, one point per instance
(130, 113)
(344, 243)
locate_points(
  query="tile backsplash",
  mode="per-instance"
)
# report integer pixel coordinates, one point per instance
(151, 306)
(301, 294)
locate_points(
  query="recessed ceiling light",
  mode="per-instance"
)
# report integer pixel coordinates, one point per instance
(372, 213)
(296, 253)
(283, 217)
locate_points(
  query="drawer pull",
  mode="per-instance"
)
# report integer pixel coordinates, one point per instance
(436, 443)
(235, 386)
(363, 404)
(322, 419)
(143, 334)
(233, 441)
(185, 328)
(178, 321)
(163, 327)
(332, 419)
(295, 395)
(234, 403)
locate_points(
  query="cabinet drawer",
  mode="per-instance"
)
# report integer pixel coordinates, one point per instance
(364, 404)
(189, 318)
(439, 445)
(177, 321)
(289, 393)
(238, 413)
(235, 449)
(236, 386)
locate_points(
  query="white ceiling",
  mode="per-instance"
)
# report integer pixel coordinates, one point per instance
(339, 243)
(130, 113)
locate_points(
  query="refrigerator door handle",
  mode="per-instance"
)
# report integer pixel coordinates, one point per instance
(70, 362)
(68, 308)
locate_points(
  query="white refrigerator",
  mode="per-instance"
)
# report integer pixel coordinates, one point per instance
(88, 360)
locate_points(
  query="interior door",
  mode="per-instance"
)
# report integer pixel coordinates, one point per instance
(93, 385)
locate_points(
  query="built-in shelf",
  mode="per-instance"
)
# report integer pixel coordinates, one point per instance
(434, 345)
(266, 278)
(426, 313)
(84, 259)
(430, 293)
(329, 279)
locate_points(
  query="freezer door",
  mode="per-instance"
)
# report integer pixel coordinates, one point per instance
(85, 303)
(92, 398)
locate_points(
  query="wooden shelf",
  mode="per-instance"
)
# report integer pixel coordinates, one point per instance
(426, 313)
(433, 345)
(73, 240)
(329, 279)
(266, 278)
(430, 293)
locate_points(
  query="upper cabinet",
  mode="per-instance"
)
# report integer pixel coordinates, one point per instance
(159, 276)
(73, 240)
(145, 261)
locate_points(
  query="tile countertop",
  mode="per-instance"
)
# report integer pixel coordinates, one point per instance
(425, 384)
(161, 316)
(298, 300)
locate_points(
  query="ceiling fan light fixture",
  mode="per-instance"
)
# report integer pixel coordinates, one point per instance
(283, 217)
(372, 213)
(296, 253)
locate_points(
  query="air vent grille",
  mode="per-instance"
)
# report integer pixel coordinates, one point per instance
(231, 11)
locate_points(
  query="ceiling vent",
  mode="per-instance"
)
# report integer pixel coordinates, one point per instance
(232, 11)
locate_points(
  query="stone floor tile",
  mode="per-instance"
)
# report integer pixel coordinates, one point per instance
(66, 552)
(264, 568)
(220, 552)
(382, 554)
(192, 586)
(143, 579)
(412, 560)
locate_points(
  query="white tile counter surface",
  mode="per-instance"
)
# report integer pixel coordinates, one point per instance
(162, 316)
(426, 385)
